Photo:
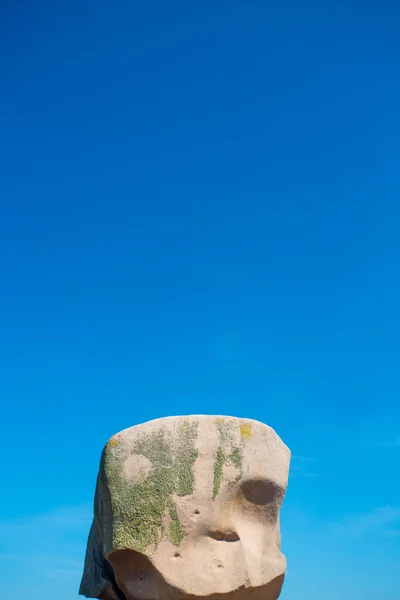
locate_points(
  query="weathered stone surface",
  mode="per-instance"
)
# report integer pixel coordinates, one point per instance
(188, 507)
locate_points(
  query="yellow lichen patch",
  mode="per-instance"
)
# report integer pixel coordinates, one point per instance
(245, 430)
(219, 420)
(113, 441)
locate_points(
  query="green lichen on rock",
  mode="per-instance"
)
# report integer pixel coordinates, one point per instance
(175, 531)
(218, 467)
(228, 452)
(139, 508)
(186, 455)
(236, 457)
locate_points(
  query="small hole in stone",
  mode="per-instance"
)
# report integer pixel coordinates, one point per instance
(177, 555)
(197, 512)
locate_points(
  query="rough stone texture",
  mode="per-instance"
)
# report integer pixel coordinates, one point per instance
(188, 507)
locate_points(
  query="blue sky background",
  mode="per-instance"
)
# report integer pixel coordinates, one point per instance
(199, 214)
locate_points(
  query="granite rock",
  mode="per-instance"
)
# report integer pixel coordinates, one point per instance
(188, 507)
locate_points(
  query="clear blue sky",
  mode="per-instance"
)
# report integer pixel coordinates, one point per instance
(200, 214)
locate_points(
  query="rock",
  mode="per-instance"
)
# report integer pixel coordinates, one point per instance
(188, 507)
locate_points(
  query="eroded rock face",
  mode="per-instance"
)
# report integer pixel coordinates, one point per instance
(188, 507)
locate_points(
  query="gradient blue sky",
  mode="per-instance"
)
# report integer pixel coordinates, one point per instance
(200, 214)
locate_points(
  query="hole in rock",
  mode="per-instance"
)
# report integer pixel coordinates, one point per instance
(262, 491)
(224, 536)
